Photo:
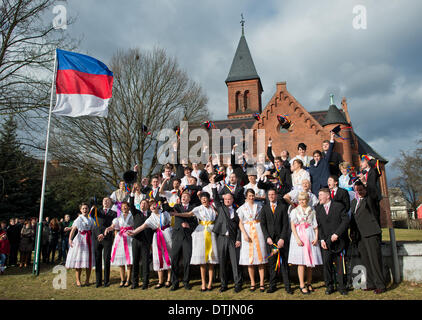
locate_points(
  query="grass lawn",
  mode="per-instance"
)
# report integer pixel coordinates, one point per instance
(403, 234)
(19, 284)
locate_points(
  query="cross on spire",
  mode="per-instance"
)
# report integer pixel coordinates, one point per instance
(242, 23)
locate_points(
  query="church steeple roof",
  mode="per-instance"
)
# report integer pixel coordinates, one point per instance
(242, 67)
(334, 115)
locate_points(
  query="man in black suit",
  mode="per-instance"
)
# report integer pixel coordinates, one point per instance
(334, 160)
(369, 176)
(154, 193)
(226, 227)
(141, 243)
(182, 242)
(235, 189)
(278, 179)
(274, 224)
(337, 194)
(284, 156)
(365, 230)
(333, 223)
(102, 243)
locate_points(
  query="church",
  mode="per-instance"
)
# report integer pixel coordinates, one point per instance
(310, 127)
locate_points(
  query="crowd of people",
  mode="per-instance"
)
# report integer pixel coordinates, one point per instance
(19, 236)
(275, 214)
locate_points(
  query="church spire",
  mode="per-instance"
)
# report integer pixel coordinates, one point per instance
(243, 67)
(242, 23)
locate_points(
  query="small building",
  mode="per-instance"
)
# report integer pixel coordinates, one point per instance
(419, 212)
(399, 207)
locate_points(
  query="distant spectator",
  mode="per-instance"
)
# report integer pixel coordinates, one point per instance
(65, 230)
(4, 247)
(53, 239)
(26, 244)
(45, 232)
(14, 236)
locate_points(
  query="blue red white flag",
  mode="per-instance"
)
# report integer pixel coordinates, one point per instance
(83, 85)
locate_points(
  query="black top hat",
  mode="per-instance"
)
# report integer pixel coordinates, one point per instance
(336, 246)
(284, 121)
(130, 176)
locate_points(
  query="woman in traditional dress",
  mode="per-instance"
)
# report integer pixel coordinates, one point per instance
(204, 241)
(161, 242)
(299, 174)
(304, 248)
(306, 160)
(138, 195)
(121, 252)
(259, 193)
(253, 248)
(292, 197)
(344, 180)
(81, 248)
(118, 197)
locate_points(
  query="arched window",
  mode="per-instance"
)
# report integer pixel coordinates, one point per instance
(237, 100)
(246, 100)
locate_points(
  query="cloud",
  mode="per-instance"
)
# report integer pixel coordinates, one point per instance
(310, 44)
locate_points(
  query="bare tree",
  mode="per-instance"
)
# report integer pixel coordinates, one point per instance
(149, 90)
(28, 41)
(409, 180)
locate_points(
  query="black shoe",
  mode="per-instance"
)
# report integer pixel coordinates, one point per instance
(158, 286)
(122, 284)
(329, 291)
(134, 286)
(262, 288)
(98, 285)
(222, 289)
(174, 287)
(379, 291)
(271, 290)
(237, 289)
(106, 284)
(144, 287)
(303, 292)
(289, 290)
(187, 286)
(343, 292)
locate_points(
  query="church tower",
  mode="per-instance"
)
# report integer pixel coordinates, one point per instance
(243, 83)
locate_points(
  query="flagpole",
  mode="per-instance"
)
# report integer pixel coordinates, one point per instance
(36, 270)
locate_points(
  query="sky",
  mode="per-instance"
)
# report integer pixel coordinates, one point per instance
(312, 45)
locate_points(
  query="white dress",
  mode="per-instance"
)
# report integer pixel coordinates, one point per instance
(344, 183)
(249, 217)
(122, 256)
(203, 214)
(78, 255)
(137, 200)
(154, 223)
(196, 173)
(306, 160)
(304, 220)
(258, 192)
(294, 195)
(117, 197)
(298, 177)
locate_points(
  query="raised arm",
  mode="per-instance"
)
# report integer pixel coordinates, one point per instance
(216, 196)
(270, 150)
